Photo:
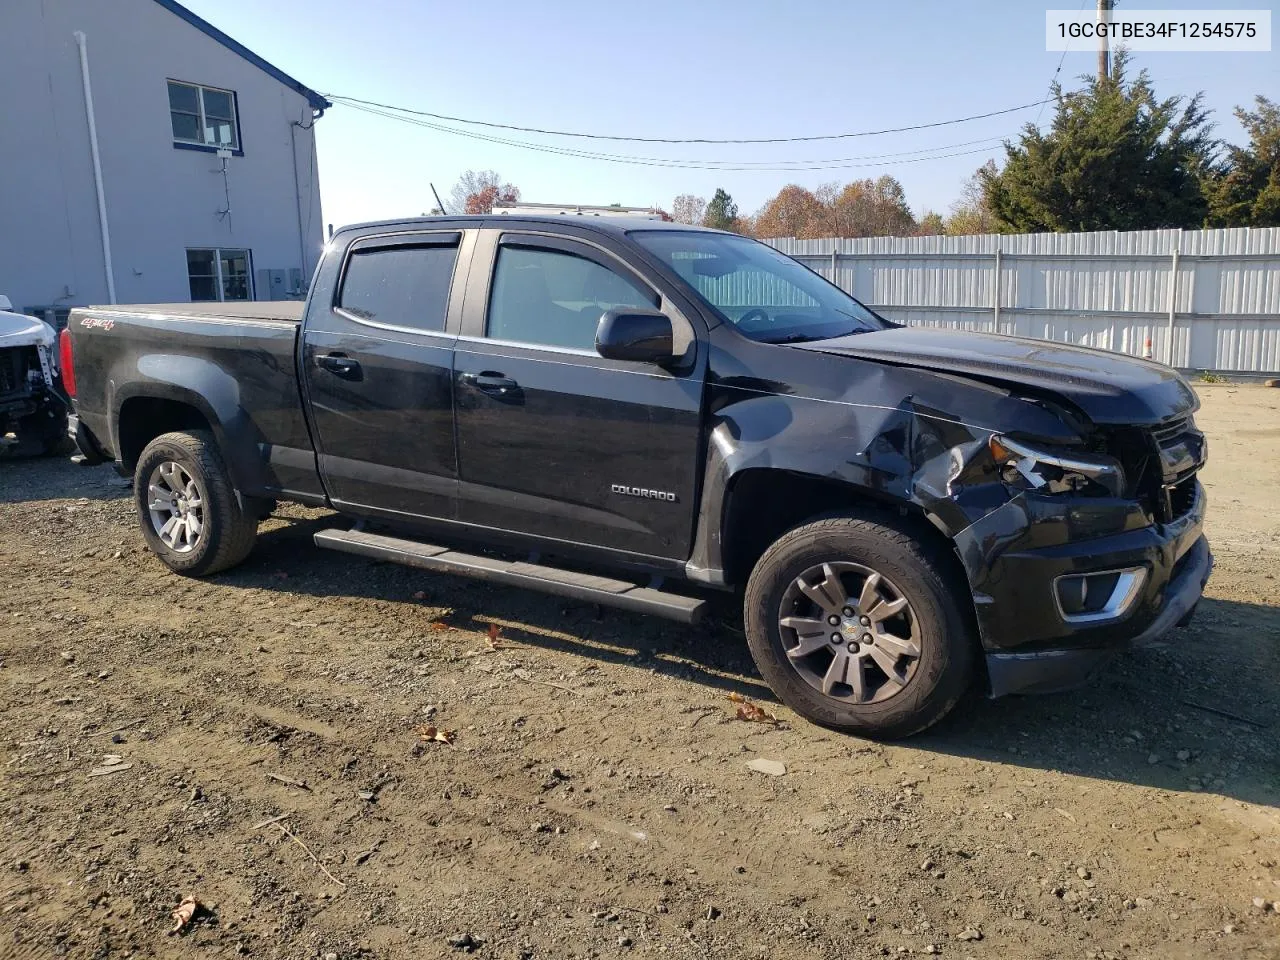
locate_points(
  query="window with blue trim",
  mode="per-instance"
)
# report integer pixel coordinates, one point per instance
(203, 115)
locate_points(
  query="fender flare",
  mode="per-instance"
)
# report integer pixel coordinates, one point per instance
(210, 391)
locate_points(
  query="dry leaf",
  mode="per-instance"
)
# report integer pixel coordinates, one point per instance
(439, 625)
(751, 712)
(495, 643)
(436, 735)
(183, 914)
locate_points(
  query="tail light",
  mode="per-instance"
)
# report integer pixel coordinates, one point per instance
(66, 362)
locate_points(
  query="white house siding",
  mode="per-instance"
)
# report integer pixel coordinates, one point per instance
(160, 200)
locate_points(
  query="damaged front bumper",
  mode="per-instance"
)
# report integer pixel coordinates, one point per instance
(1049, 671)
(1022, 557)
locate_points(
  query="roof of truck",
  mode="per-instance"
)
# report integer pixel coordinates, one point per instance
(599, 224)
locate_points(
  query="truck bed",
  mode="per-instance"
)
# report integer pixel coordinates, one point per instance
(233, 362)
(289, 311)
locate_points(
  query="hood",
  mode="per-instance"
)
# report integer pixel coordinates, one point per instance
(1108, 387)
(19, 330)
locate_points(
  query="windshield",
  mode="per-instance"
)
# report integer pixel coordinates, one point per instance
(766, 295)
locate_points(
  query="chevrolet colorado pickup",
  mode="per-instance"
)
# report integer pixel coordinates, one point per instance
(640, 414)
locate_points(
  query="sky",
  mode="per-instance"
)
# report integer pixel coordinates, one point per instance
(712, 69)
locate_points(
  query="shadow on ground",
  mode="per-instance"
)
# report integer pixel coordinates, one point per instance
(1193, 712)
(30, 479)
(1202, 703)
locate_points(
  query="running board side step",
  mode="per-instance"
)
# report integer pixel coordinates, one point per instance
(563, 583)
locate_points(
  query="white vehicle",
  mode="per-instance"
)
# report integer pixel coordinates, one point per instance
(33, 413)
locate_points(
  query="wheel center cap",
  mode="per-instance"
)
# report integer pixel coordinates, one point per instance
(849, 624)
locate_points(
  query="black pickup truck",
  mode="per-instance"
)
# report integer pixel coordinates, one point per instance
(641, 414)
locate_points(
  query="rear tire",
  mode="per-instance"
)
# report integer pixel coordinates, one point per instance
(885, 660)
(187, 507)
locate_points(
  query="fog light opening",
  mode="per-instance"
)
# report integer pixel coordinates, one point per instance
(1102, 595)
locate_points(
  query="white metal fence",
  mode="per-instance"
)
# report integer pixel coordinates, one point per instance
(1205, 299)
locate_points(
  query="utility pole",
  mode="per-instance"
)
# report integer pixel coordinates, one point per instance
(1104, 53)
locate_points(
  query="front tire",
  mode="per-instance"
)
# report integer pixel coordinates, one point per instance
(187, 507)
(854, 624)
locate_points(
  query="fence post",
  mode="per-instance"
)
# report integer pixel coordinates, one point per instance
(1173, 296)
(835, 262)
(995, 295)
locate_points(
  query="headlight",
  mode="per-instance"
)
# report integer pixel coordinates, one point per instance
(1055, 471)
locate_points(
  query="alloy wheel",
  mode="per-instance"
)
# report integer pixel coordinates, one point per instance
(175, 502)
(849, 633)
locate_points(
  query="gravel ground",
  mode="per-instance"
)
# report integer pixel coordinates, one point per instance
(596, 799)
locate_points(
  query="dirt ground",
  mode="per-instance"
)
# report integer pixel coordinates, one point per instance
(596, 801)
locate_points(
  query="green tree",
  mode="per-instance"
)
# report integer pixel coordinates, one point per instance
(722, 212)
(1115, 158)
(1245, 191)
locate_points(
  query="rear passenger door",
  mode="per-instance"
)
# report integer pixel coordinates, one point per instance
(378, 366)
(554, 441)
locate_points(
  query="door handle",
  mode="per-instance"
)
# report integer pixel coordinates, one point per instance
(490, 382)
(340, 364)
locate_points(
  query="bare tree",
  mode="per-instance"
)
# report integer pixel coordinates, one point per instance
(483, 201)
(794, 212)
(970, 214)
(863, 208)
(687, 208)
(930, 224)
(480, 188)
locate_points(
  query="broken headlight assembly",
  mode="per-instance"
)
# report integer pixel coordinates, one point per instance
(1023, 466)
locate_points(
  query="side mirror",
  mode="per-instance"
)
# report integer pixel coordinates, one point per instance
(631, 334)
(5, 304)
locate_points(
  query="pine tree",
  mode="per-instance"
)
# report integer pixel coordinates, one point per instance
(722, 212)
(1245, 192)
(1115, 158)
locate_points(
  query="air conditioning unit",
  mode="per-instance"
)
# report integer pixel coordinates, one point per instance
(280, 284)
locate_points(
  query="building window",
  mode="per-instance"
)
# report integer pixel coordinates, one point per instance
(220, 274)
(203, 115)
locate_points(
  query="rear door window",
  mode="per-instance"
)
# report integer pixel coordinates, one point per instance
(401, 286)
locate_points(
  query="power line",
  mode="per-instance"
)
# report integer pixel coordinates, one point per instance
(354, 101)
(721, 165)
(772, 165)
(1061, 60)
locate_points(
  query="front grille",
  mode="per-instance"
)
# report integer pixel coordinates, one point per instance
(13, 370)
(1170, 429)
(1181, 497)
(1131, 446)
(1138, 449)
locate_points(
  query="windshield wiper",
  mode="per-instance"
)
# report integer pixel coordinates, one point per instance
(796, 338)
